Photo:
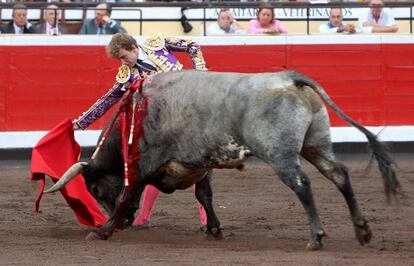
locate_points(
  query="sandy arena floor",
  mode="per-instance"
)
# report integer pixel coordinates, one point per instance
(264, 223)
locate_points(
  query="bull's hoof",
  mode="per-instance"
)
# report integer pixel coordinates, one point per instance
(203, 228)
(316, 242)
(98, 234)
(125, 224)
(139, 227)
(363, 232)
(312, 246)
(92, 236)
(214, 233)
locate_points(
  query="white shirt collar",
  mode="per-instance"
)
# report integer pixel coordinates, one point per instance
(142, 55)
(17, 29)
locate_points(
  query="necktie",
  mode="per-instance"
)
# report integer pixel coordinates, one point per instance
(146, 65)
(101, 30)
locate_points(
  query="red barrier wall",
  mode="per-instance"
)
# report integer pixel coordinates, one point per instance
(373, 83)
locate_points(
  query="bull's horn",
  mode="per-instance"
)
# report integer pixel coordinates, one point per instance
(73, 171)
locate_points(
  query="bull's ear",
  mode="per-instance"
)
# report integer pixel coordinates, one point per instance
(89, 174)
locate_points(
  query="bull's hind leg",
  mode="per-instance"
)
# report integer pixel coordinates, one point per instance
(323, 158)
(288, 169)
(204, 195)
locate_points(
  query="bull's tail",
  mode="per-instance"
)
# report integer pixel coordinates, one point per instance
(385, 163)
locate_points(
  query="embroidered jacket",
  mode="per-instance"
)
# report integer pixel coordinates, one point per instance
(158, 50)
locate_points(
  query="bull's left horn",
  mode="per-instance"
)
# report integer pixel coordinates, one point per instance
(73, 171)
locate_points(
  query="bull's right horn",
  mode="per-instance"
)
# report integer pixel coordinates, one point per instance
(73, 171)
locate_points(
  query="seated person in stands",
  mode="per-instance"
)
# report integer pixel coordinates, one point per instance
(48, 26)
(102, 23)
(377, 19)
(225, 24)
(266, 22)
(19, 23)
(335, 23)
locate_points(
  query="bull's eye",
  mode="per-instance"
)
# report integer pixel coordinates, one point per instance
(95, 191)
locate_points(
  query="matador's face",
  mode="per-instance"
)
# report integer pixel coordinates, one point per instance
(128, 58)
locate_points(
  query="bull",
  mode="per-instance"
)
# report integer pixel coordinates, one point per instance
(198, 121)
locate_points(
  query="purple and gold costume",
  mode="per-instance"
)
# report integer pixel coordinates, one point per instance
(158, 50)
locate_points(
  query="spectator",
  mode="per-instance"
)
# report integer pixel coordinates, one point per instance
(225, 24)
(335, 23)
(377, 19)
(51, 26)
(19, 23)
(266, 22)
(102, 23)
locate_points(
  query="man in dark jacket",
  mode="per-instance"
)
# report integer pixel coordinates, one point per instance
(51, 24)
(19, 24)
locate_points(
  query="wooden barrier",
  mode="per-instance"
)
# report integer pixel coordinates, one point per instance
(371, 77)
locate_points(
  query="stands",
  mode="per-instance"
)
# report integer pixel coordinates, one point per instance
(149, 17)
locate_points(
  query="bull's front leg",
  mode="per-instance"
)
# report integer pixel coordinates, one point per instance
(123, 214)
(105, 231)
(132, 206)
(204, 195)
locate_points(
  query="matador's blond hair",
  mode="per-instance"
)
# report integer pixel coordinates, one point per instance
(120, 41)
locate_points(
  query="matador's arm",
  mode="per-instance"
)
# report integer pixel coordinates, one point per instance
(103, 104)
(191, 47)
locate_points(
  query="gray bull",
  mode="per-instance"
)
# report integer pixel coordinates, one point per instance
(198, 121)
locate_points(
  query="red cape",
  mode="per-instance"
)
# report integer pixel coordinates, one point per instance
(52, 156)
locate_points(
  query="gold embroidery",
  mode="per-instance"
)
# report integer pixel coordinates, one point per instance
(123, 74)
(161, 61)
(177, 66)
(155, 43)
(199, 62)
(168, 66)
(135, 71)
(152, 44)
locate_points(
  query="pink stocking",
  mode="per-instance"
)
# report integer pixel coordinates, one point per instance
(202, 211)
(150, 196)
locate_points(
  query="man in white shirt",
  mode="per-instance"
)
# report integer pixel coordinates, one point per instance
(226, 24)
(377, 18)
(335, 24)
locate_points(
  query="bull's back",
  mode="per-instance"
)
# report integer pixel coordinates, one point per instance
(192, 109)
(211, 82)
